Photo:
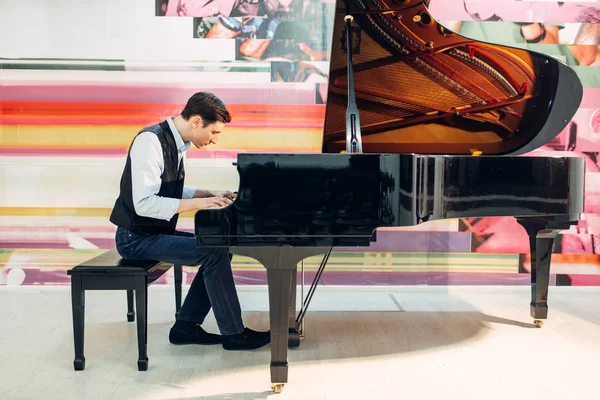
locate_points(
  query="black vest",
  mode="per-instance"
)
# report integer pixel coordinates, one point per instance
(123, 213)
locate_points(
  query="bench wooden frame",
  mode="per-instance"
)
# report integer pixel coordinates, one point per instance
(108, 271)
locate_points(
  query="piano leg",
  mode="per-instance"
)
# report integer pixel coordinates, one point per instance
(78, 301)
(281, 264)
(541, 241)
(280, 283)
(294, 334)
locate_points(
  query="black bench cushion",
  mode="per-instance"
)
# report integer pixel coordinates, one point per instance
(112, 263)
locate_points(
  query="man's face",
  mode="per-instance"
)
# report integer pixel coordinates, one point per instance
(205, 135)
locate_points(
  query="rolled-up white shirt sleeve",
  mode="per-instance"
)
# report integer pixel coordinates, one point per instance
(188, 192)
(147, 166)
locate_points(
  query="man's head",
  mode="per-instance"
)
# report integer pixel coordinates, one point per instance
(202, 119)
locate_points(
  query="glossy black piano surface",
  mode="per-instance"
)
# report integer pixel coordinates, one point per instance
(444, 123)
(340, 199)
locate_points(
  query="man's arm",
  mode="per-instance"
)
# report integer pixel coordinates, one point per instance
(147, 166)
(190, 192)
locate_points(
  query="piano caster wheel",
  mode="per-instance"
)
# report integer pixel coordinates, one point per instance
(277, 387)
(293, 341)
(143, 365)
(538, 323)
(294, 338)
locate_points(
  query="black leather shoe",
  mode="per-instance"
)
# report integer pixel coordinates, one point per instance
(255, 334)
(247, 340)
(193, 335)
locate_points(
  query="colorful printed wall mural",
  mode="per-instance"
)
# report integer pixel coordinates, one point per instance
(83, 77)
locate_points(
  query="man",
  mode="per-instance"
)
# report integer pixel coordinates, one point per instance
(152, 194)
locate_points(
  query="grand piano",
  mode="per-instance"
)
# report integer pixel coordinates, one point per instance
(421, 124)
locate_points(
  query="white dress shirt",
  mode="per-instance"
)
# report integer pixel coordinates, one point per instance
(147, 165)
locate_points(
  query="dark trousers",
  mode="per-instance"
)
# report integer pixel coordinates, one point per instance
(213, 286)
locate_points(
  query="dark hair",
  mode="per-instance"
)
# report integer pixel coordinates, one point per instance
(208, 106)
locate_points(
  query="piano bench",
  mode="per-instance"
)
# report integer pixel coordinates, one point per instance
(109, 271)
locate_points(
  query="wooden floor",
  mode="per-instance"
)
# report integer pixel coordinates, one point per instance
(361, 343)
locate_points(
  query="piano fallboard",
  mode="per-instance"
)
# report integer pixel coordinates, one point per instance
(341, 199)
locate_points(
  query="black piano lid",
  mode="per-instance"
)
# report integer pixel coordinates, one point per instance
(423, 89)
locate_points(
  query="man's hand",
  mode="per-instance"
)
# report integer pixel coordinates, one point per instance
(202, 193)
(203, 203)
(212, 202)
(224, 193)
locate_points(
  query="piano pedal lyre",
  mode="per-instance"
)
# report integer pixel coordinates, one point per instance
(304, 303)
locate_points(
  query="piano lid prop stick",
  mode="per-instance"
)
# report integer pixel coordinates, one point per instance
(302, 297)
(353, 136)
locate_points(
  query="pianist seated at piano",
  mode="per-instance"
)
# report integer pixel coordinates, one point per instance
(152, 194)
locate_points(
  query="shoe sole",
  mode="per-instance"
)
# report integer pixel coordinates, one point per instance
(254, 347)
(198, 343)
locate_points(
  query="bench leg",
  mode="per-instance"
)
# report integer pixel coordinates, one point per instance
(178, 279)
(141, 303)
(78, 305)
(130, 312)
